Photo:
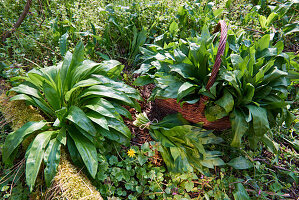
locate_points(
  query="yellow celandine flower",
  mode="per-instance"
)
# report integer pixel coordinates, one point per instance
(131, 153)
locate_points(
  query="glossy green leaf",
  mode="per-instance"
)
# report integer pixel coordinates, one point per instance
(27, 88)
(63, 44)
(35, 155)
(263, 21)
(239, 127)
(241, 193)
(14, 139)
(273, 146)
(81, 84)
(185, 89)
(79, 118)
(52, 96)
(173, 28)
(263, 43)
(87, 151)
(51, 159)
(273, 16)
(226, 101)
(291, 28)
(240, 163)
(119, 126)
(98, 119)
(112, 67)
(260, 120)
(103, 107)
(143, 80)
(108, 92)
(248, 94)
(122, 111)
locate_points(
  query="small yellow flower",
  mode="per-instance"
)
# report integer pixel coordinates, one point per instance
(131, 153)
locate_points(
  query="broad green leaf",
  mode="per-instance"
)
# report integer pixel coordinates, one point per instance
(212, 162)
(119, 126)
(263, 43)
(185, 89)
(52, 96)
(81, 84)
(260, 120)
(108, 92)
(84, 71)
(119, 86)
(240, 193)
(179, 55)
(14, 139)
(273, 146)
(98, 119)
(263, 21)
(275, 74)
(205, 34)
(51, 74)
(73, 151)
(112, 67)
(36, 77)
(169, 85)
(239, 127)
(44, 106)
(248, 94)
(114, 135)
(64, 69)
(70, 64)
(63, 44)
(240, 163)
(219, 11)
(236, 60)
(280, 46)
(226, 101)
(259, 77)
(143, 80)
(183, 69)
(87, 151)
(232, 78)
(51, 159)
(173, 28)
(273, 16)
(79, 118)
(122, 111)
(27, 88)
(268, 52)
(77, 58)
(35, 155)
(291, 28)
(215, 112)
(103, 107)
(61, 113)
(23, 97)
(158, 136)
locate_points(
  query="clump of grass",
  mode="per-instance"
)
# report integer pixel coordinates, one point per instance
(69, 183)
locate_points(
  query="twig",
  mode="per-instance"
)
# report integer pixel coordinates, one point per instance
(19, 167)
(270, 193)
(278, 167)
(153, 193)
(42, 11)
(19, 21)
(254, 30)
(39, 43)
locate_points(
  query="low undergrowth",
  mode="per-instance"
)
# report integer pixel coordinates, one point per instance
(86, 105)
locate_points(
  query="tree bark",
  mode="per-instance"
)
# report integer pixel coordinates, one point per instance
(19, 22)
